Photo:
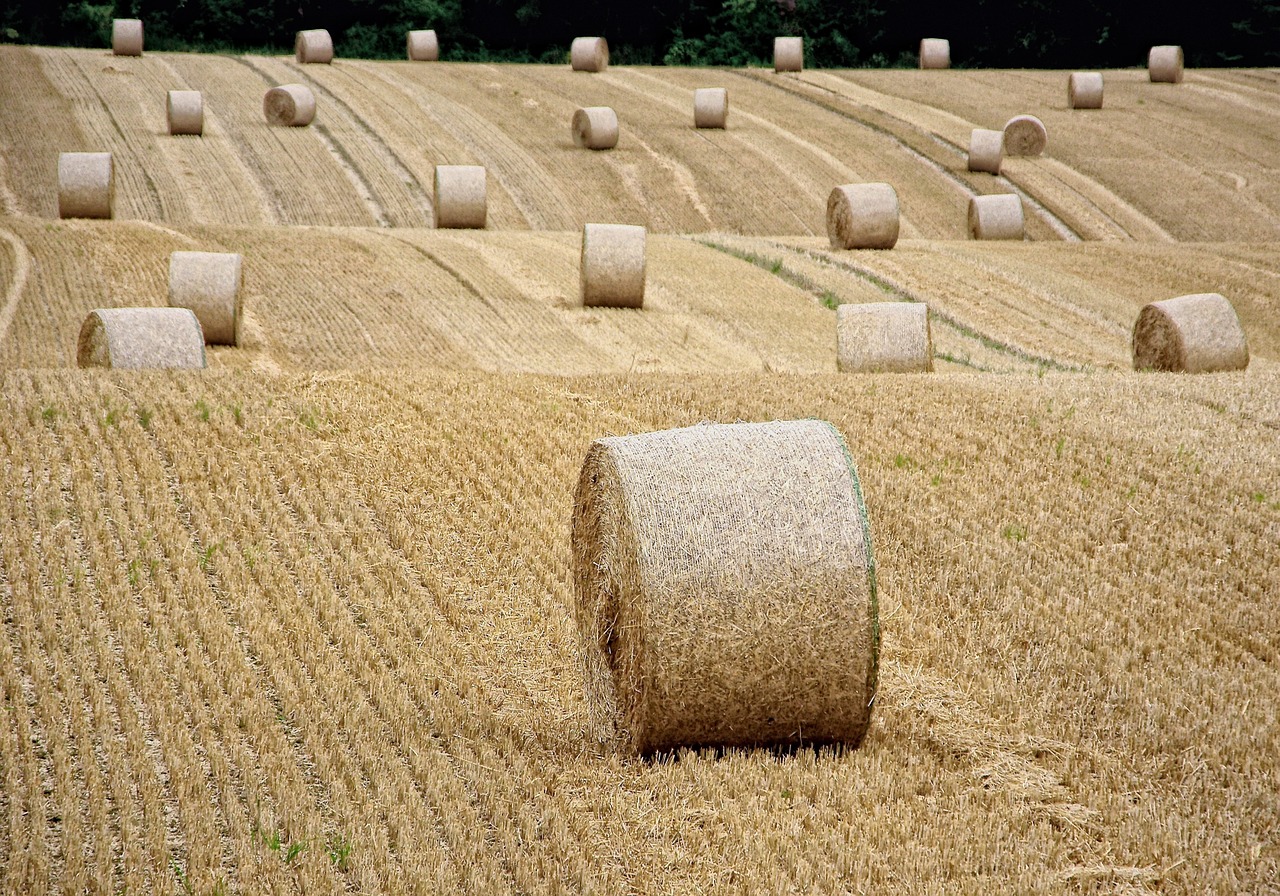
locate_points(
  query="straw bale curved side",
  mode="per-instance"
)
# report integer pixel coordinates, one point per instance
(884, 337)
(595, 127)
(612, 266)
(86, 185)
(1198, 333)
(589, 54)
(996, 217)
(289, 105)
(209, 284)
(313, 45)
(126, 37)
(935, 52)
(460, 196)
(1164, 64)
(129, 338)
(986, 150)
(1084, 90)
(710, 107)
(422, 46)
(725, 588)
(1025, 135)
(788, 54)
(185, 111)
(863, 216)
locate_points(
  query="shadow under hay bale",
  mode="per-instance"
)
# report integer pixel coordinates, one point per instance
(884, 337)
(209, 284)
(135, 338)
(863, 216)
(86, 185)
(612, 266)
(1198, 333)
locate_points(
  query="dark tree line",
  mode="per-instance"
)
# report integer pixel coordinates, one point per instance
(983, 33)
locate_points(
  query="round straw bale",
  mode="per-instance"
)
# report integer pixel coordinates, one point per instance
(935, 52)
(589, 54)
(1084, 90)
(986, 150)
(710, 107)
(460, 199)
(612, 267)
(208, 283)
(1025, 135)
(86, 185)
(725, 587)
(1164, 64)
(314, 45)
(422, 46)
(595, 127)
(289, 105)
(141, 337)
(862, 216)
(996, 217)
(1192, 334)
(788, 54)
(884, 337)
(186, 112)
(126, 37)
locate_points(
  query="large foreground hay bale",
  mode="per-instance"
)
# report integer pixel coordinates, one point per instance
(589, 54)
(209, 285)
(862, 216)
(314, 45)
(788, 54)
(126, 37)
(1025, 135)
(710, 107)
(997, 217)
(127, 338)
(1164, 64)
(884, 337)
(422, 46)
(185, 111)
(1084, 90)
(86, 185)
(595, 127)
(1192, 334)
(289, 105)
(935, 52)
(460, 196)
(725, 587)
(612, 266)
(986, 150)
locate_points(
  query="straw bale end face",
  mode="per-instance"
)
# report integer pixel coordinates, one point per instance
(185, 111)
(135, 338)
(460, 197)
(289, 105)
(313, 45)
(1025, 135)
(589, 54)
(595, 127)
(422, 46)
(1198, 333)
(884, 337)
(1164, 64)
(86, 185)
(710, 107)
(126, 37)
(935, 52)
(1084, 90)
(996, 217)
(788, 54)
(209, 285)
(986, 150)
(612, 265)
(863, 216)
(725, 588)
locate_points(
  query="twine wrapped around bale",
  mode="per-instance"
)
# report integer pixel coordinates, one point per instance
(127, 338)
(862, 216)
(126, 37)
(589, 54)
(710, 107)
(422, 46)
(612, 266)
(209, 285)
(725, 588)
(1025, 135)
(595, 127)
(986, 150)
(185, 110)
(289, 105)
(788, 54)
(935, 52)
(1164, 64)
(1084, 90)
(1191, 334)
(460, 196)
(884, 337)
(996, 217)
(86, 185)
(313, 45)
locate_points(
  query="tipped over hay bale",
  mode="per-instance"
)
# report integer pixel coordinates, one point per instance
(884, 337)
(1084, 90)
(612, 266)
(589, 54)
(314, 45)
(725, 588)
(986, 150)
(208, 284)
(422, 46)
(997, 217)
(710, 107)
(460, 197)
(595, 127)
(788, 54)
(935, 52)
(289, 105)
(1191, 334)
(86, 185)
(126, 37)
(126, 338)
(1164, 64)
(862, 216)
(1025, 135)
(185, 110)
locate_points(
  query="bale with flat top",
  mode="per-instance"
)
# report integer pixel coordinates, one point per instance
(612, 266)
(133, 338)
(289, 105)
(935, 52)
(185, 111)
(986, 150)
(126, 37)
(86, 185)
(209, 284)
(1084, 90)
(1164, 64)
(884, 337)
(863, 216)
(710, 107)
(589, 54)
(422, 46)
(1198, 333)
(595, 127)
(788, 54)
(997, 217)
(313, 45)
(460, 198)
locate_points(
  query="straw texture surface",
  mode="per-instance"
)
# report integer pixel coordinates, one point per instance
(460, 198)
(884, 337)
(185, 111)
(935, 52)
(314, 45)
(1164, 64)
(289, 105)
(126, 37)
(612, 266)
(422, 46)
(1025, 135)
(710, 107)
(209, 284)
(589, 54)
(788, 54)
(1084, 90)
(863, 216)
(595, 127)
(986, 150)
(996, 217)
(127, 338)
(1190, 334)
(86, 185)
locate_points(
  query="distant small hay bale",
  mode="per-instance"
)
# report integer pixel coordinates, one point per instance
(997, 217)
(724, 588)
(595, 127)
(422, 46)
(86, 185)
(126, 37)
(884, 337)
(710, 107)
(589, 54)
(935, 52)
(788, 54)
(1191, 334)
(460, 196)
(185, 110)
(612, 266)
(209, 284)
(1025, 135)
(986, 150)
(1084, 90)
(289, 105)
(1164, 64)
(314, 45)
(863, 216)
(126, 338)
